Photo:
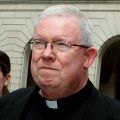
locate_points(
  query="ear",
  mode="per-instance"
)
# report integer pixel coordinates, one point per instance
(90, 56)
(7, 79)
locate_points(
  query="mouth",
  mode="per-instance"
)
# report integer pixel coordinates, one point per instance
(48, 68)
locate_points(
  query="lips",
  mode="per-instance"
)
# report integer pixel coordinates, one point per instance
(46, 67)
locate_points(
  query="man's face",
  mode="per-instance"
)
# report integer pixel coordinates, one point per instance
(58, 74)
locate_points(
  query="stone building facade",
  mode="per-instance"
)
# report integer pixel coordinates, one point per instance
(17, 19)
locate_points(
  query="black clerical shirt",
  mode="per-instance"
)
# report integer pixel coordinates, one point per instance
(87, 104)
(68, 107)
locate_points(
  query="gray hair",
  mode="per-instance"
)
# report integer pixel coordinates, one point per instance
(69, 10)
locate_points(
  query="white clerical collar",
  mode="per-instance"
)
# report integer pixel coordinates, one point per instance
(52, 104)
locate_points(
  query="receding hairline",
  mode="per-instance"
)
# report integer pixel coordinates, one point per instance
(61, 10)
(70, 10)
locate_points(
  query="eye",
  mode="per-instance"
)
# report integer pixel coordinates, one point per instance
(39, 44)
(60, 43)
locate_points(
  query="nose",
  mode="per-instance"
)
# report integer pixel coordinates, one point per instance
(48, 54)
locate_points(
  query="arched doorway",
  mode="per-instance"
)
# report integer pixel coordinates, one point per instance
(110, 70)
(27, 80)
(30, 81)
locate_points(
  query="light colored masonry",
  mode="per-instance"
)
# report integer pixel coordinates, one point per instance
(17, 24)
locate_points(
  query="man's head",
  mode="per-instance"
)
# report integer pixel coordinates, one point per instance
(62, 51)
(4, 72)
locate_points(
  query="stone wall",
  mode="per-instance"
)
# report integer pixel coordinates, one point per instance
(17, 24)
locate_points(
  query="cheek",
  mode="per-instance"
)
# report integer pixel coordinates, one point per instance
(35, 55)
(71, 61)
(72, 64)
(68, 65)
(34, 62)
(35, 58)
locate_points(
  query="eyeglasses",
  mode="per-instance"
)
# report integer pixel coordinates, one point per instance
(59, 45)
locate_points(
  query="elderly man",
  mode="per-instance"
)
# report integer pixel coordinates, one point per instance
(62, 52)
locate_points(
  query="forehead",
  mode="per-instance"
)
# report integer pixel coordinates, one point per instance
(58, 20)
(58, 25)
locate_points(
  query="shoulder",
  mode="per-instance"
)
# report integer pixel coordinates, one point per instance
(112, 104)
(107, 105)
(20, 92)
(106, 100)
(99, 99)
(100, 105)
(14, 101)
(16, 95)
